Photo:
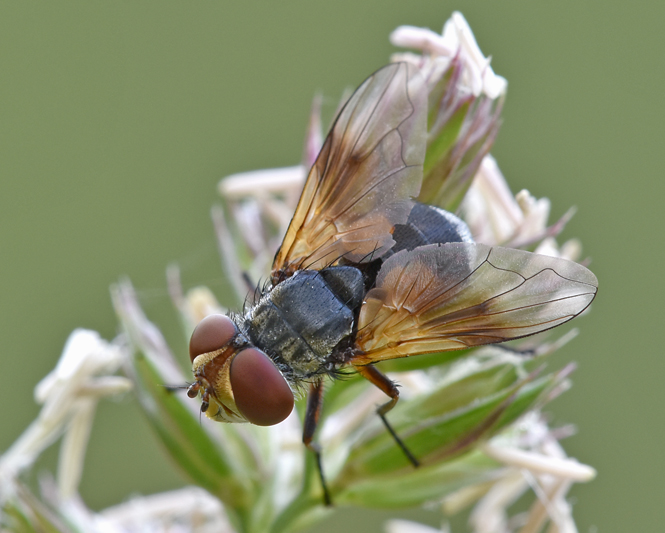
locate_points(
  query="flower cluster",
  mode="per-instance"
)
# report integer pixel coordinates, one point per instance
(472, 417)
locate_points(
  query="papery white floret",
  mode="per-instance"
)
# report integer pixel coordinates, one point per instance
(536, 211)
(85, 353)
(69, 395)
(260, 182)
(190, 509)
(406, 526)
(571, 249)
(489, 208)
(541, 464)
(423, 39)
(491, 513)
(483, 78)
(456, 38)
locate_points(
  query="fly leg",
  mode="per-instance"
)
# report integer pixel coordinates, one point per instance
(314, 403)
(389, 387)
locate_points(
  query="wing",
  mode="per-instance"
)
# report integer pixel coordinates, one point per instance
(457, 295)
(362, 182)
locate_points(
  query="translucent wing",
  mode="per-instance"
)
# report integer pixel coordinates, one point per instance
(457, 295)
(369, 167)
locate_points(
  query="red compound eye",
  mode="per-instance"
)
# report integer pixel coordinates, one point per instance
(211, 334)
(260, 391)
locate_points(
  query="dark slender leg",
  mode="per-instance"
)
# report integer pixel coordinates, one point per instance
(314, 402)
(389, 387)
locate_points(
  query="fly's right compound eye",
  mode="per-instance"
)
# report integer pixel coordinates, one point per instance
(261, 393)
(212, 333)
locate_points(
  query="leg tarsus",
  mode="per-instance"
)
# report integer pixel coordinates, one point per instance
(383, 382)
(316, 450)
(399, 442)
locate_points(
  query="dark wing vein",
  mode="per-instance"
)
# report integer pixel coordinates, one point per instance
(449, 296)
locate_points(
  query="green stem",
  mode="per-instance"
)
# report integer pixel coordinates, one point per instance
(300, 512)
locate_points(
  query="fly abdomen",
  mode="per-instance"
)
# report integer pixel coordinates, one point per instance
(301, 320)
(428, 224)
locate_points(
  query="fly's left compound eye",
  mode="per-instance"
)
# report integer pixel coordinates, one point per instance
(212, 333)
(261, 393)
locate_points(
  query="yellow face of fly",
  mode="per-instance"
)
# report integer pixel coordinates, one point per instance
(212, 372)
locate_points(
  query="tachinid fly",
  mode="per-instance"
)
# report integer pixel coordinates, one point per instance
(366, 274)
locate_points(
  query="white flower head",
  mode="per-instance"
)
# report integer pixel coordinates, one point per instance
(260, 205)
(489, 208)
(533, 459)
(456, 38)
(69, 395)
(496, 217)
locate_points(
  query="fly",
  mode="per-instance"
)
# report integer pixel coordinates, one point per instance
(366, 274)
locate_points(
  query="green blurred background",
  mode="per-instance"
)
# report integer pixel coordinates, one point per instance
(117, 119)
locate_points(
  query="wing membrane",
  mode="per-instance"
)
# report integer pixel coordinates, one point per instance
(369, 167)
(457, 295)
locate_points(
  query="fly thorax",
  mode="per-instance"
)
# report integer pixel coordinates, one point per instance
(299, 322)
